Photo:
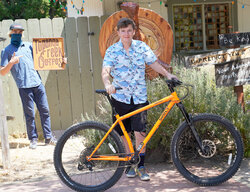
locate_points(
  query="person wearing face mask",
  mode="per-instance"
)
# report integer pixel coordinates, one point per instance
(17, 57)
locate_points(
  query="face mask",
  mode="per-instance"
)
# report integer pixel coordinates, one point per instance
(16, 39)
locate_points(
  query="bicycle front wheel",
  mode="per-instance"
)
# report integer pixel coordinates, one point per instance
(70, 160)
(223, 150)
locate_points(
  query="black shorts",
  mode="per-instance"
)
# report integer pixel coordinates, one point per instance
(137, 122)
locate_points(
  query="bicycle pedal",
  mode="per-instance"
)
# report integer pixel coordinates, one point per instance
(127, 169)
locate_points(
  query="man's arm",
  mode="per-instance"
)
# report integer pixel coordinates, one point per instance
(14, 60)
(160, 69)
(106, 81)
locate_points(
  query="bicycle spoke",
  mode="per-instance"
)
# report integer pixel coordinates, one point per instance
(217, 162)
(76, 145)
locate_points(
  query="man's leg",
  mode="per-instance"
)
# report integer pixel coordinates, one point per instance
(40, 99)
(27, 99)
(126, 143)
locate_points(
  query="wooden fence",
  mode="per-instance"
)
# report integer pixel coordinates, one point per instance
(70, 92)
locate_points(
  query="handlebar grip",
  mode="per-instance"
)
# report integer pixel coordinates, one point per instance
(103, 91)
(174, 82)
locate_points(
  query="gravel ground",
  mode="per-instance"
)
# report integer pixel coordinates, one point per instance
(29, 166)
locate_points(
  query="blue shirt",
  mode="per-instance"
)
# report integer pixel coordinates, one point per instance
(23, 72)
(128, 71)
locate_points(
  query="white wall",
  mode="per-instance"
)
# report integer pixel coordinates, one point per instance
(91, 8)
(243, 15)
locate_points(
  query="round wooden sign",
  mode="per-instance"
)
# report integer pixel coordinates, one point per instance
(155, 32)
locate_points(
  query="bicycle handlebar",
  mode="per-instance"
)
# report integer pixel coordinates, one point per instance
(103, 91)
(173, 83)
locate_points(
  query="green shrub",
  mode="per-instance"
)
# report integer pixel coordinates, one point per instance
(204, 98)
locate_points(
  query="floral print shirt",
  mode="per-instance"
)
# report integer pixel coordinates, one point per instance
(128, 71)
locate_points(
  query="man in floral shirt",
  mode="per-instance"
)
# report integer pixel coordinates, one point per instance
(125, 63)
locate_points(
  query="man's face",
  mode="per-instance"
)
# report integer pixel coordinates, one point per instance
(126, 34)
(16, 31)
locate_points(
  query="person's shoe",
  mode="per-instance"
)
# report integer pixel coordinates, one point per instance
(143, 174)
(51, 141)
(33, 144)
(131, 173)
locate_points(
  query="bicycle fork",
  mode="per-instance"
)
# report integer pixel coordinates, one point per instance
(189, 121)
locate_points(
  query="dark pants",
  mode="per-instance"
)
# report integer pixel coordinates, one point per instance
(137, 122)
(28, 97)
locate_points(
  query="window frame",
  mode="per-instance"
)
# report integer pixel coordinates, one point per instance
(204, 49)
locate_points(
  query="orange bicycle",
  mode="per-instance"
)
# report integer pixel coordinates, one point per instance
(206, 148)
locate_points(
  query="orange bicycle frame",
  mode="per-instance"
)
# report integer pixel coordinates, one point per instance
(173, 98)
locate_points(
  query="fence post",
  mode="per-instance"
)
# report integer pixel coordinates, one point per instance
(4, 132)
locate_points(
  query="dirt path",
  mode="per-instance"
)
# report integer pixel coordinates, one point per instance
(33, 170)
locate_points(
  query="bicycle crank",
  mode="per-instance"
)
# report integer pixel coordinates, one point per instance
(209, 149)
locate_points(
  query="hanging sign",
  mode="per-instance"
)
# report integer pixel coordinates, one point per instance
(48, 53)
(233, 73)
(234, 39)
(218, 57)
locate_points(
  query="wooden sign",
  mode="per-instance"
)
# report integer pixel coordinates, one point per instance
(234, 39)
(218, 57)
(48, 53)
(233, 73)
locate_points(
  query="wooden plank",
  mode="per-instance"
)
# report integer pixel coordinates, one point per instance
(50, 82)
(63, 80)
(35, 32)
(110, 7)
(94, 24)
(13, 104)
(218, 57)
(1, 35)
(86, 69)
(4, 132)
(74, 70)
(18, 125)
(5, 29)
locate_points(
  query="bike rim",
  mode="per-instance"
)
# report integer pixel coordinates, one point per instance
(220, 154)
(73, 163)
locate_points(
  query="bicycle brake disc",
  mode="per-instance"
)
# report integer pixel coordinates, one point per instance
(209, 149)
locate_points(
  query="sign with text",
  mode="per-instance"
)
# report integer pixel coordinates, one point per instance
(48, 53)
(234, 39)
(219, 57)
(233, 73)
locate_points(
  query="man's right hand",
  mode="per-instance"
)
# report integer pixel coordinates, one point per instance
(110, 89)
(15, 59)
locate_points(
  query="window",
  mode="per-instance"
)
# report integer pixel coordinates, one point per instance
(188, 25)
(216, 22)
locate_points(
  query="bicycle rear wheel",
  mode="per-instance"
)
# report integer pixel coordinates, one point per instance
(223, 145)
(70, 157)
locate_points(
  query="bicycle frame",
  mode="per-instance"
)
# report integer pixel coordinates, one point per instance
(173, 98)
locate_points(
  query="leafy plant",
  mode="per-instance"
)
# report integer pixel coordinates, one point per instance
(205, 98)
(26, 9)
